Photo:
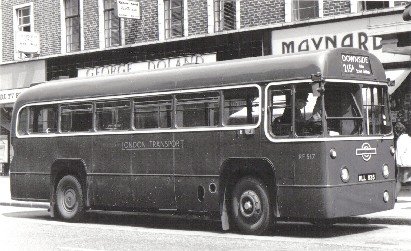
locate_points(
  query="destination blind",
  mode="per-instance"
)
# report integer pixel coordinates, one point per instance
(355, 64)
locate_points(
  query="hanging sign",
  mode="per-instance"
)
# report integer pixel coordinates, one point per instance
(27, 42)
(127, 9)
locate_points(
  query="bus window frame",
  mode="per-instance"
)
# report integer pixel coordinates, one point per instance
(273, 139)
(145, 131)
(358, 109)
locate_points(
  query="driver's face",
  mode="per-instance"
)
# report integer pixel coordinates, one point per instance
(300, 103)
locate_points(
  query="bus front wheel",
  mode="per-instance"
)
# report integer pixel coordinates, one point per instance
(251, 209)
(69, 199)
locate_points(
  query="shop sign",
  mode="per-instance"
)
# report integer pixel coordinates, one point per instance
(359, 40)
(127, 9)
(27, 42)
(148, 65)
(10, 96)
(337, 34)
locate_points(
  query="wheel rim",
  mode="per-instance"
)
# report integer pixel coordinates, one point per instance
(69, 199)
(250, 204)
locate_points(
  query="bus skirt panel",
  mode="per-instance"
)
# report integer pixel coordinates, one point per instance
(334, 201)
(30, 186)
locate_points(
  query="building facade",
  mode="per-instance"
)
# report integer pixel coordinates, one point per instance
(52, 39)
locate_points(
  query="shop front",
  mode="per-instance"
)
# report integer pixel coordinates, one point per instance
(14, 79)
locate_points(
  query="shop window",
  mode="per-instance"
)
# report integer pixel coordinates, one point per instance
(112, 25)
(372, 5)
(173, 18)
(224, 15)
(5, 118)
(72, 21)
(304, 10)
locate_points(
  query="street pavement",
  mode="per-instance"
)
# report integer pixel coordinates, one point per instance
(400, 215)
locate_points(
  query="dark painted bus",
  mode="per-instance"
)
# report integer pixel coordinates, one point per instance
(247, 142)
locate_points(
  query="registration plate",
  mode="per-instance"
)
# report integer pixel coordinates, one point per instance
(366, 177)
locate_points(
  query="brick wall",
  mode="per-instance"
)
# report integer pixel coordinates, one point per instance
(197, 17)
(261, 12)
(90, 24)
(146, 28)
(46, 22)
(332, 8)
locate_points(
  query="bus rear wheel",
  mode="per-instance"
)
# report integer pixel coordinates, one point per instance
(69, 199)
(251, 210)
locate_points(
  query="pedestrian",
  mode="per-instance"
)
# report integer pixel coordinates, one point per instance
(402, 157)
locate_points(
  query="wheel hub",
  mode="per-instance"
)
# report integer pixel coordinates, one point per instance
(250, 204)
(69, 199)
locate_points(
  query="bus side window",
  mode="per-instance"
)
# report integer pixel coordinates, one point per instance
(43, 119)
(22, 127)
(77, 117)
(152, 112)
(280, 101)
(198, 109)
(241, 106)
(113, 115)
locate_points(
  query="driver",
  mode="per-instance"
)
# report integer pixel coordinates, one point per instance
(301, 99)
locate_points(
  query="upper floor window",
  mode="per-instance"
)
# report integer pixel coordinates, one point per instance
(72, 20)
(23, 22)
(372, 5)
(24, 19)
(112, 25)
(173, 18)
(224, 15)
(304, 10)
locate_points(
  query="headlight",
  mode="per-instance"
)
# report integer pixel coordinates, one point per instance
(385, 171)
(386, 196)
(333, 154)
(345, 175)
(392, 150)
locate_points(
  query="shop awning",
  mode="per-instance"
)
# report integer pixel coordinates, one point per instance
(397, 75)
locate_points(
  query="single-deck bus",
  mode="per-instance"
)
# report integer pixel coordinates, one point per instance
(247, 142)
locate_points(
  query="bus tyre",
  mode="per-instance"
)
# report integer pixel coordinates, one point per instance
(251, 210)
(69, 199)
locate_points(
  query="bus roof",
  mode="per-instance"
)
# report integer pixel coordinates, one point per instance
(251, 70)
